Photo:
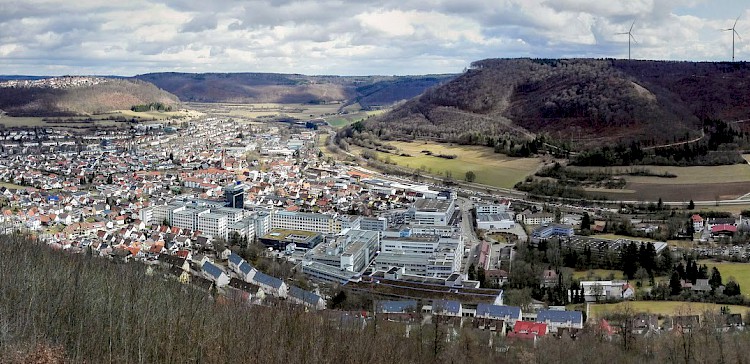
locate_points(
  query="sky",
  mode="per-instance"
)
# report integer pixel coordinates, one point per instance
(355, 37)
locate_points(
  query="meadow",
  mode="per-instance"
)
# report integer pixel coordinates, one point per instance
(490, 168)
(739, 271)
(663, 308)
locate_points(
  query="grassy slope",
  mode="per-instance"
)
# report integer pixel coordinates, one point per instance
(490, 168)
(98, 312)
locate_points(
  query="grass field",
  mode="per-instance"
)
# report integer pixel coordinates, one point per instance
(489, 167)
(339, 121)
(700, 183)
(597, 274)
(740, 272)
(10, 185)
(664, 307)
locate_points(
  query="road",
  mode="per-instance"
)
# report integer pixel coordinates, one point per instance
(468, 234)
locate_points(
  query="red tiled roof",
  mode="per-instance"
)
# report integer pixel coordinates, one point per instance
(724, 227)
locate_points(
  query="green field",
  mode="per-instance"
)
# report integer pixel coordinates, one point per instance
(489, 167)
(597, 274)
(740, 272)
(663, 308)
(342, 120)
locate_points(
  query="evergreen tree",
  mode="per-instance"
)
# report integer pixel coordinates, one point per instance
(585, 222)
(691, 205)
(732, 288)
(715, 280)
(674, 284)
(666, 262)
(629, 258)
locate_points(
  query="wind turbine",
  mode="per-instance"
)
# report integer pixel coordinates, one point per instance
(630, 36)
(734, 31)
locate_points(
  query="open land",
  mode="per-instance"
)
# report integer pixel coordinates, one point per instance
(663, 308)
(98, 120)
(739, 271)
(268, 111)
(698, 183)
(491, 168)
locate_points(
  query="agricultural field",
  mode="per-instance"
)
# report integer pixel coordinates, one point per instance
(740, 272)
(489, 167)
(267, 111)
(700, 183)
(663, 308)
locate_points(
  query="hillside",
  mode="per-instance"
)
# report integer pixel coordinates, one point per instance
(68, 96)
(583, 103)
(370, 91)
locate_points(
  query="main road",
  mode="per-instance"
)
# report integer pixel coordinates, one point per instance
(469, 236)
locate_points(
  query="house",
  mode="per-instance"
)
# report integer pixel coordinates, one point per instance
(528, 330)
(215, 274)
(557, 320)
(496, 277)
(701, 285)
(685, 323)
(496, 317)
(234, 261)
(594, 291)
(306, 298)
(246, 271)
(698, 222)
(254, 290)
(715, 221)
(270, 285)
(446, 310)
(397, 310)
(549, 278)
(723, 230)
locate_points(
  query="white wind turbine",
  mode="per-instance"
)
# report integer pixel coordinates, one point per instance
(734, 32)
(630, 36)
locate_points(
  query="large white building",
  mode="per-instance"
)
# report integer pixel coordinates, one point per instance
(213, 224)
(423, 255)
(319, 223)
(433, 211)
(353, 250)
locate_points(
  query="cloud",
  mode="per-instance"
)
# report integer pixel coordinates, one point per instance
(351, 37)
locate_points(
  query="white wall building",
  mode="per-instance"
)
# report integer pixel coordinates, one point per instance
(319, 223)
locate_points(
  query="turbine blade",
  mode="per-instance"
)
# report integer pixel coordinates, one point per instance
(631, 36)
(735, 22)
(631, 26)
(738, 34)
(621, 33)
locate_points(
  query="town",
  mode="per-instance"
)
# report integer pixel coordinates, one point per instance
(263, 213)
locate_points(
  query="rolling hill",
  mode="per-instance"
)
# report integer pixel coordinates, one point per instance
(369, 91)
(77, 95)
(581, 102)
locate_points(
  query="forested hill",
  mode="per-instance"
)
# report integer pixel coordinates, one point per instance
(369, 91)
(580, 102)
(77, 95)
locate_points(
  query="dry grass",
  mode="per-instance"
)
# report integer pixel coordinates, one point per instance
(663, 307)
(490, 168)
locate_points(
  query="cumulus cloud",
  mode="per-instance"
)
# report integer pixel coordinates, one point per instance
(350, 37)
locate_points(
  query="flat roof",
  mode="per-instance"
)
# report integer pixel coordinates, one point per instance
(283, 234)
(432, 205)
